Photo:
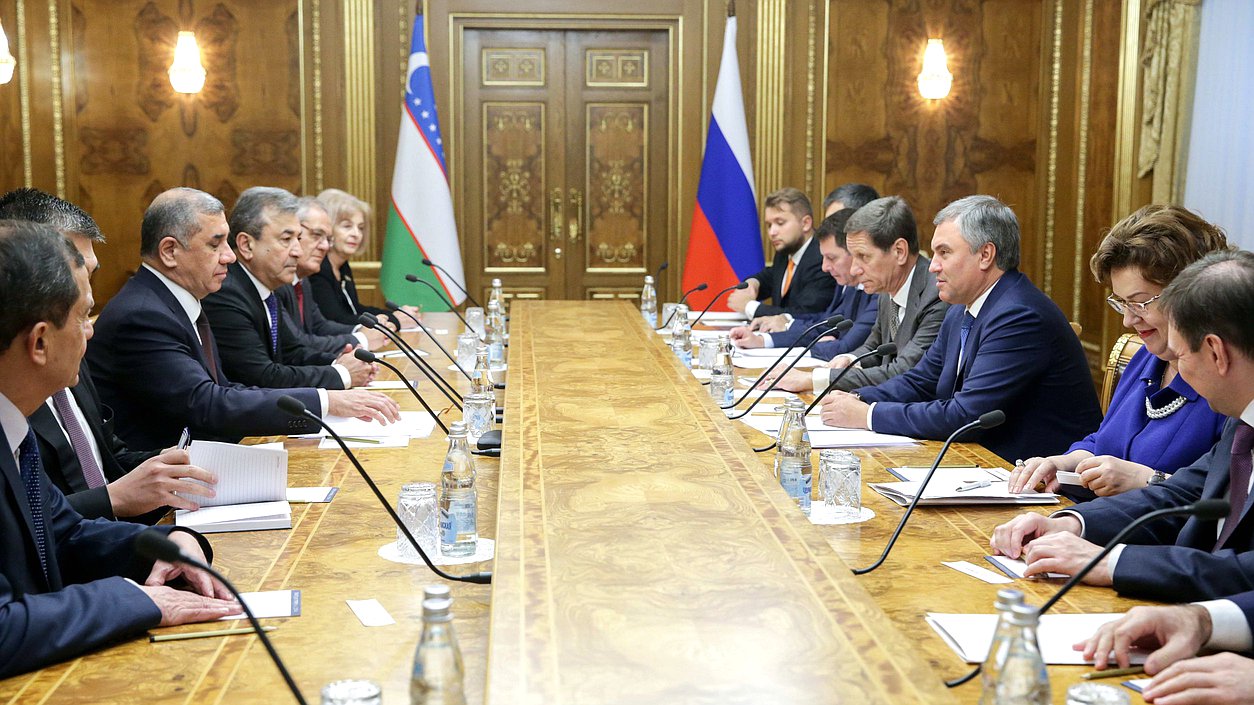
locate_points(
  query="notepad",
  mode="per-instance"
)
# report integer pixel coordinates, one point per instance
(413, 424)
(254, 516)
(245, 473)
(970, 635)
(941, 492)
(269, 604)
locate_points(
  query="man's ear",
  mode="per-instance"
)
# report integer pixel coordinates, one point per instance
(37, 343)
(166, 251)
(244, 244)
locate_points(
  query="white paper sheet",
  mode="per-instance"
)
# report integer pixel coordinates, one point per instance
(386, 384)
(1015, 567)
(245, 473)
(329, 443)
(977, 572)
(272, 603)
(773, 353)
(244, 517)
(311, 495)
(750, 362)
(370, 612)
(413, 424)
(949, 474)
(970, 635)
(854, 439)
(769, 422)
(399, 353)
(945, 492)
(725, 316)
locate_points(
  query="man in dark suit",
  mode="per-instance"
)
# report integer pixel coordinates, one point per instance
(63, 578)
(246, 316)
(154, 359)
(795, 282)
(1209, 308)
(1003, 345)
(99, 475)
(883, 242)
(848, 301)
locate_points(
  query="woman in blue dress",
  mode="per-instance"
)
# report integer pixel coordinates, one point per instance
(1156, 422)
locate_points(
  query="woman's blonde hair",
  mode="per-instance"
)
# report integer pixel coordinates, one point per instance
(339, 202)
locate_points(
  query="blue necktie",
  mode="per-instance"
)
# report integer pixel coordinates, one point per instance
(272, 303)
(29, 468)
(967, 321)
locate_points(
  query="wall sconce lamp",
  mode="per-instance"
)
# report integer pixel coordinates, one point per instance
(935, 78)
(187, 74)
(7, 62)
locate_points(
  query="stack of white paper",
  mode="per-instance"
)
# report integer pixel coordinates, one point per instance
(413, 424)
(761, 362)
(951, 488)
(970, 635)
(854, 438)
(253, 516)
(251, 492)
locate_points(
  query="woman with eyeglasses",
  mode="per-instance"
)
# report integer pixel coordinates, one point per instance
(1156, 422)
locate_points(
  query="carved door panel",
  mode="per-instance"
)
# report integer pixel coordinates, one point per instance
(570, 200)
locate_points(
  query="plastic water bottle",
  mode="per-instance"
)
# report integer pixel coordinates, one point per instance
(1022, 679)
(648, 302)
(481, 376)
(681, 336)
(792, 460)
(459, 500)
(438, 673)
(496, 335)
(990, 671)
(497, 295)
(721, 373)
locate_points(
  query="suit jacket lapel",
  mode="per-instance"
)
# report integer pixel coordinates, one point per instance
(914, 300)
(49, 431)
(150, 280)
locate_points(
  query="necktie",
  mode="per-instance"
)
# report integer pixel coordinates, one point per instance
(28, 467)
(272, 305)
(894, 320)
(783, 290)
(1238, 480)
(78, 440)
(967, 321)
(206, 345)
(300, 300)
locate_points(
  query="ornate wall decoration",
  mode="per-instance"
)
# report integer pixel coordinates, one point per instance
(617, 164)
(78, 33)
(227, 193)
(618, 68)
(265, 152)
(518, 67)
(114, 151)
(217, 35)
(515, 255)
(514, 184)
(294, 83)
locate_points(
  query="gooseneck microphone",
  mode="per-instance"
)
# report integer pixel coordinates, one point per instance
(453, 279)
(987, 420)
(660, 268)
(885, 349)
(700, 287)
(366, 356)
(155, 545)
(392, 305)
(1203, 509)
(738, 285)
(414, 278)
(831, 321)
(429, 372)
(840, 327)
(293, 406)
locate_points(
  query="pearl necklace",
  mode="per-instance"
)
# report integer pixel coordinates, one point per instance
(1168, 409)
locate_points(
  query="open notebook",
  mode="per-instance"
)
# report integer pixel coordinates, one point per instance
(251, 493)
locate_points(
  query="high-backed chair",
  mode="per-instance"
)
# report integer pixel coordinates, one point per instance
(1120, 354)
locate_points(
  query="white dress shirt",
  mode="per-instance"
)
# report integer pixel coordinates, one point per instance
(820, 377)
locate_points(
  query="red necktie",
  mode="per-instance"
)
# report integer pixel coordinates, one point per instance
(1238, 480)
(300, 301)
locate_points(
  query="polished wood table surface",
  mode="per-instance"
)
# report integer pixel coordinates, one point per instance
(645, 555)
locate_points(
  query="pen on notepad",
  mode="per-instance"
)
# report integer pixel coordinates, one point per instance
(154, 638)
(973, 485)
(1113, 673)
(355, 439)
(185, 438)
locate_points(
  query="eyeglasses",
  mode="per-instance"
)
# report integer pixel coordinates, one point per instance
(1138, 307)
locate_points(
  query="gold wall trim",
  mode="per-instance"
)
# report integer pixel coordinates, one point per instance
(319, 153)
(1086, 69)
(1125, 121)
(827, 38)
(359, 96)
(1051, 177)
(23, 67)
(309, 17)
(587, 184)
(810, 184)
(58, 107)
(770, 91)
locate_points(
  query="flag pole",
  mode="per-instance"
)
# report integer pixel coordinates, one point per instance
(731, 8)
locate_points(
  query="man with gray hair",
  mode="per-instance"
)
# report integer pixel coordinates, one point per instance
(1003, 345)
(257, 346)
(154, 358)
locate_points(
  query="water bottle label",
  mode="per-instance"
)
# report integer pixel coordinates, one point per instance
(448, 530)
(496, 352)
(651, 318)
(796, 483)
(458, 519)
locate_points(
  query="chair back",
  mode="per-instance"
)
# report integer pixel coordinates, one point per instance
(1120, 354)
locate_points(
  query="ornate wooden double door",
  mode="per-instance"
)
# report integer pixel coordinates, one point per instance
(566, 185)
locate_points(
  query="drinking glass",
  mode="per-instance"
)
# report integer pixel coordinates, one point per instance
(475, 321)
(840, 481)
(416, 507)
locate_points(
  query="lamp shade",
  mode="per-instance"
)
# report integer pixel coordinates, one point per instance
(7, 62)
(935, 78)
(187, 75)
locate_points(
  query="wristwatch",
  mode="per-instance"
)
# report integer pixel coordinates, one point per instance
(1157, 477)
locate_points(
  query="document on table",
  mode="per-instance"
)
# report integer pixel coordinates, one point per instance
(769, 420)
(970, 635)
(757, 362)
(724, 316)
(1015, 567)
(847, 438)
(272, 603)
(948, 491)
(387, 384)
(245, 473)
(354, 442)
(952, 474)
(695, 335)
(413, 424)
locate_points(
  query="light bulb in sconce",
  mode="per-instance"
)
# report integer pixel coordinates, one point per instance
(7, 62)
(935, 78)
(187, 74)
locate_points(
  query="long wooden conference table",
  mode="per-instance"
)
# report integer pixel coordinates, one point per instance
(645, 554)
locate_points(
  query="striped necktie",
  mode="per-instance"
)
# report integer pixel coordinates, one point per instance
(78, 440)
(29, 469)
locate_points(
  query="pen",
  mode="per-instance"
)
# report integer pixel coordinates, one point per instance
(973, 485)
(185, 438)
(154, 638)
(1113, 672)
(355, 439)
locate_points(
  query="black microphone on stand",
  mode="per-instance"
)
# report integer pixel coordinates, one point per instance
(885, 349)
(1202, 509)
(739, 285)
(366, 356)
(840, 327)
(155, 545)
(987, 420)
(700, 287)
(660, 268)
(831, 321)
(453, 279)
(295, 407)
(392, 305)
(445, 388)
(414, 278)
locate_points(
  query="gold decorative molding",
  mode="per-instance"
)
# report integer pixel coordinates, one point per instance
(810, 184)
(616, 68)
(512, 66)
(58, 108)
(23, 68)
(317, 158)
(359, 98)
(1125, 121)
(827, 61)
(1086, 71)
(771, 89)
(1051, 169)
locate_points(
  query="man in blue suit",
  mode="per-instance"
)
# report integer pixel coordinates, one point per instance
(154, 359)
(64, 587)
(1003, 345)
(1209, 306)
(849, 301)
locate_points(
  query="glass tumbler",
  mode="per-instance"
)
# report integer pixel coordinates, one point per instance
(467, 344)
(706, 353)
(840, 482)
(478, 411)
(417, 509)
(475, 321)
(352, 693)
